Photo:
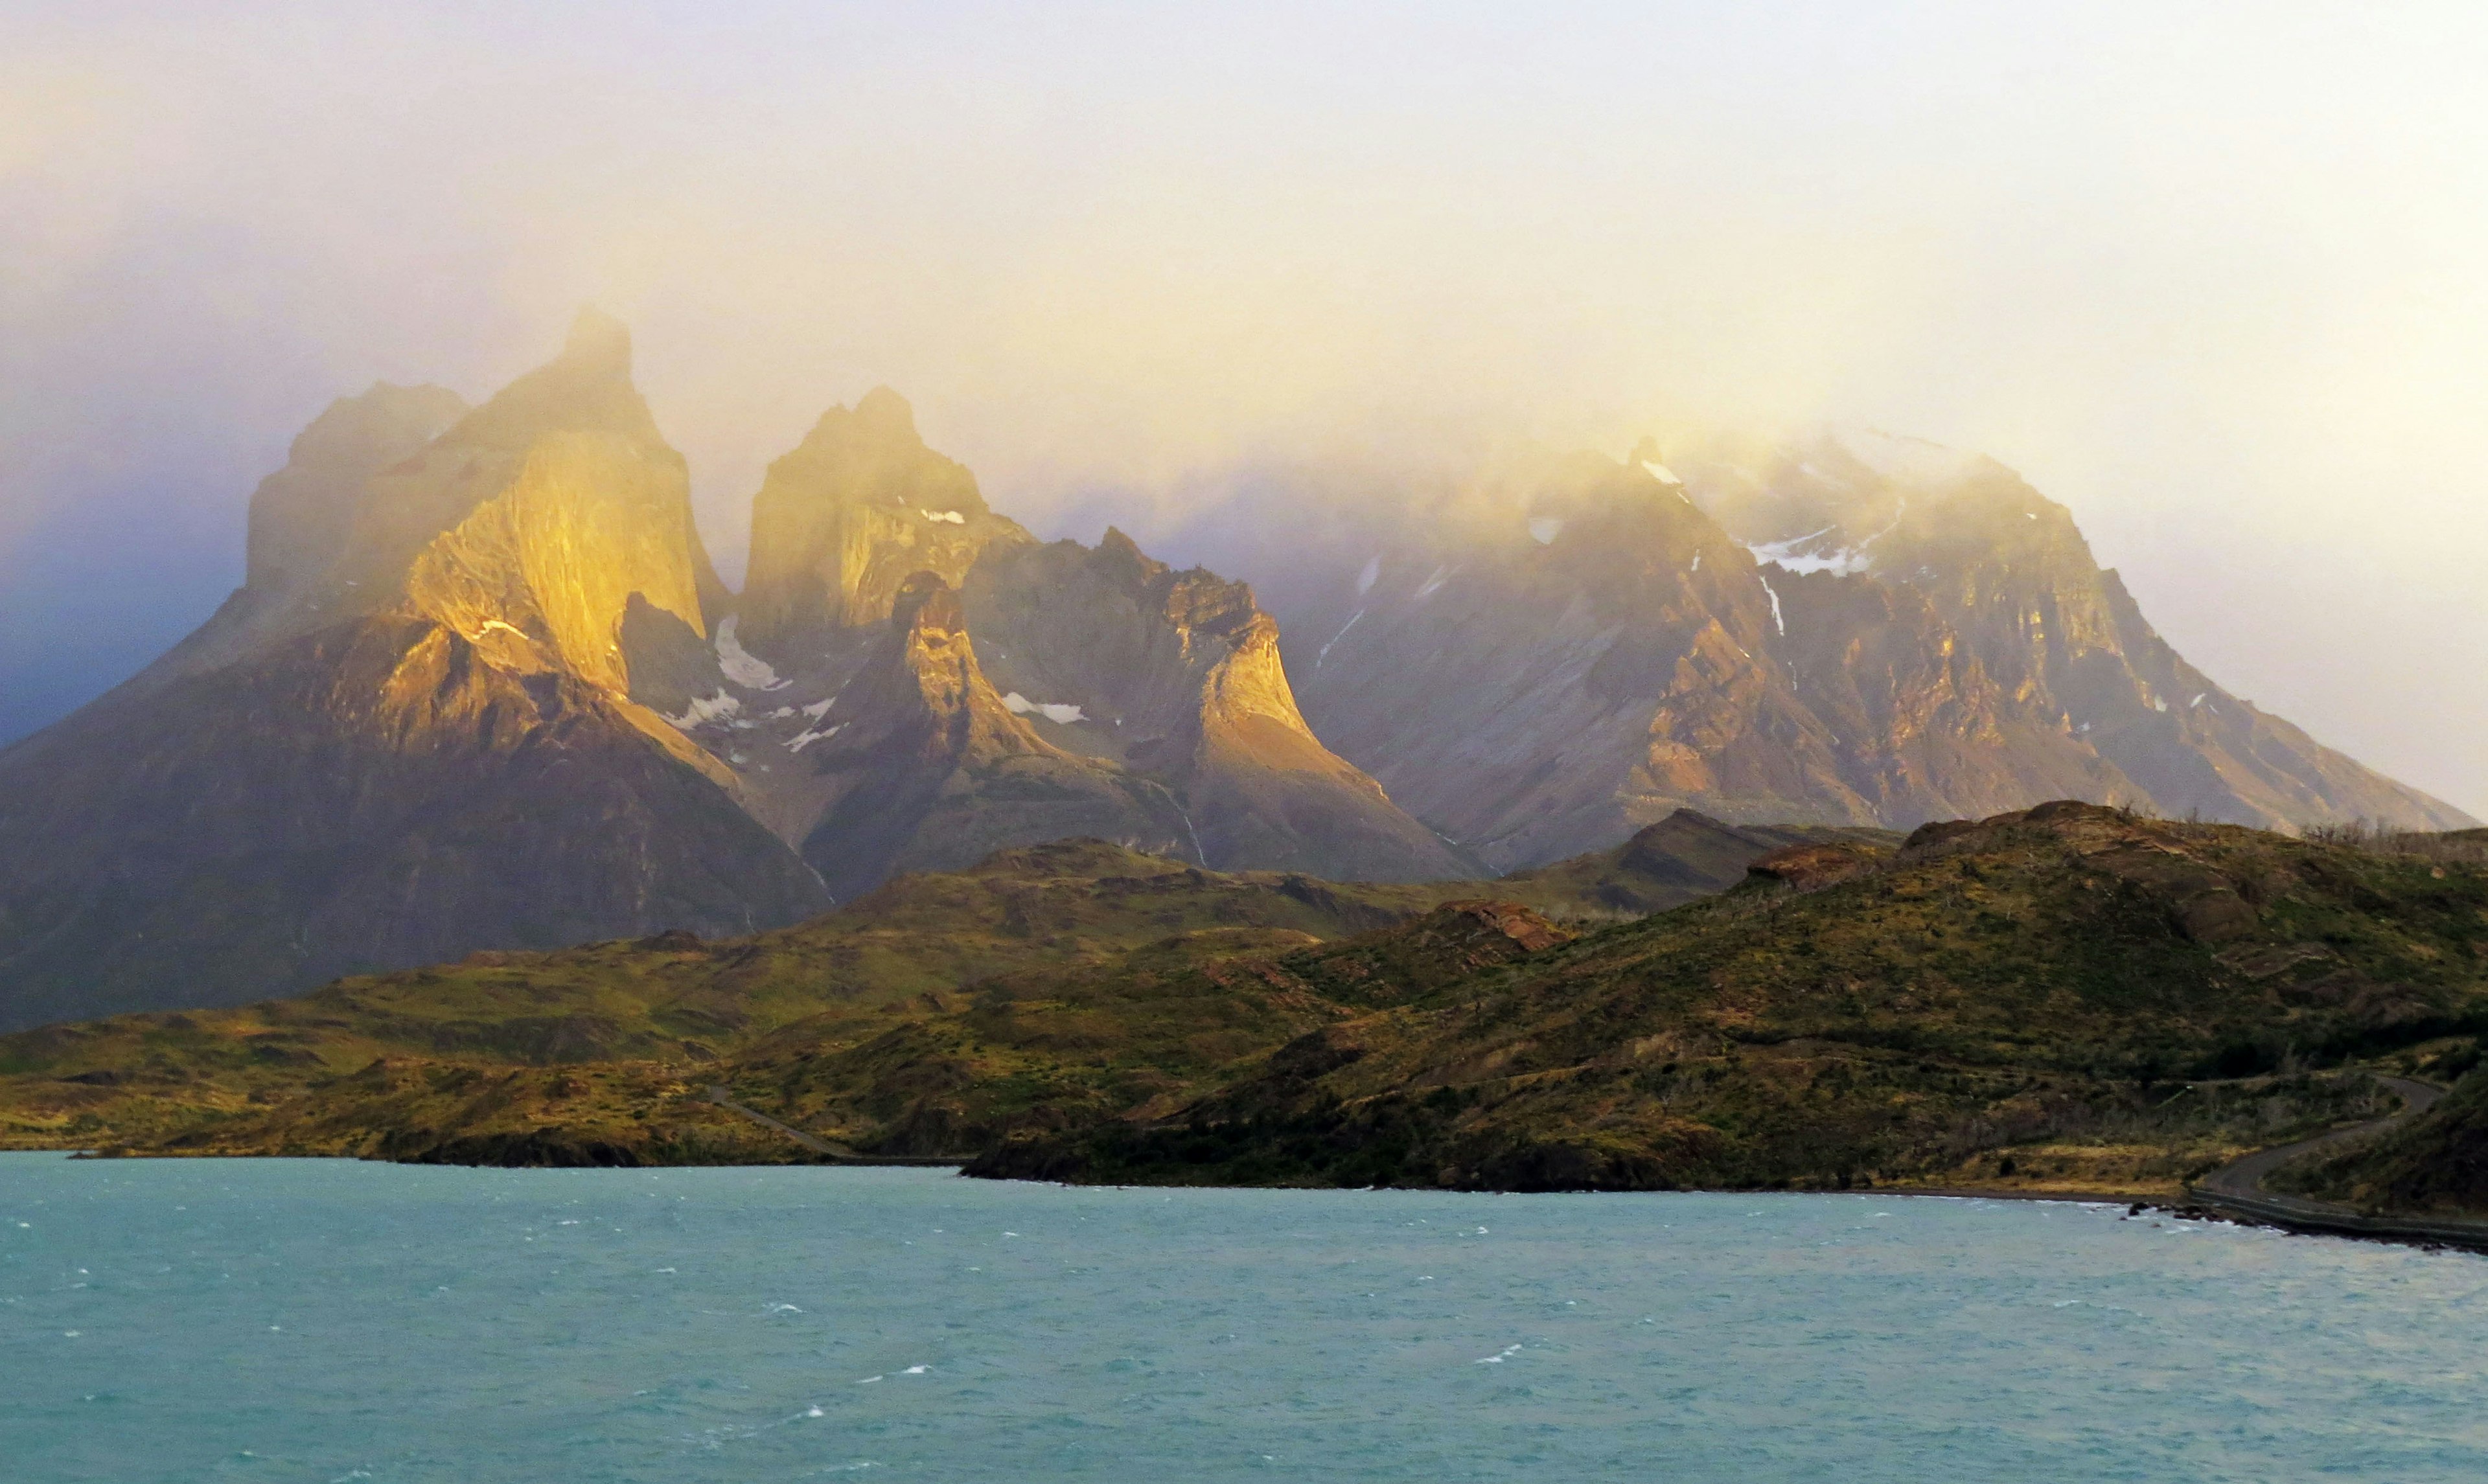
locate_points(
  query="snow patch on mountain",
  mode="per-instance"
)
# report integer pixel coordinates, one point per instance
(1324, 653)
(741, 665)
(1058, 712)
(505, 625)
(702, 711)
(1793, 555)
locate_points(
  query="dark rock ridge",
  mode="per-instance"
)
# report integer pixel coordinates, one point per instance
(1869, 630)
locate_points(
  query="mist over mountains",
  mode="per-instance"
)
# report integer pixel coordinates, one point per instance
(1843, 626)
(483, 688)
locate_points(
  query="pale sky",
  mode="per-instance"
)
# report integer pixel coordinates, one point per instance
(2213, 279)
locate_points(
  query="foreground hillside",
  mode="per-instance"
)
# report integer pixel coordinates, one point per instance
(2069, 998)
(601, 1051)
(2065, 999)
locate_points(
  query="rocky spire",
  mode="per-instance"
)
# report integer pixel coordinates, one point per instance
(858, 506)
(302, 515)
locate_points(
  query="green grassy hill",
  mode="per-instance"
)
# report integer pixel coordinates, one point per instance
(2064, 999)
(2069, 998)
(600, 1053)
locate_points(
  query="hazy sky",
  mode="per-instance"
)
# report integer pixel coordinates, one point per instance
(2218, 279)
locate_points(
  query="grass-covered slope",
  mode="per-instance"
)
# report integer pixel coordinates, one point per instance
(602, 1051)
(2435, 1164)
(2064, 999)
(2069, 999)
(668, 1007)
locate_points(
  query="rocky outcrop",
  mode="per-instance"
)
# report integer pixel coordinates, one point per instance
(1778, 634)
(1610, 655)
(2008, 571)
(911, 681)
(932, 771)
(858, 506)
(408, 736)
(1177, 675)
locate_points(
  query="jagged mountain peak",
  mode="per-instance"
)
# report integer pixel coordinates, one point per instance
(411, 735)
(2008, 570)
(885, 413)
(598, 345)
(586, 388)
(872, 454)
(1843, 626)
(849, 514)
(302, 515)
(925, 679)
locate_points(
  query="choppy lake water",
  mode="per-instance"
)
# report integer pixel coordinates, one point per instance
(309, 1320)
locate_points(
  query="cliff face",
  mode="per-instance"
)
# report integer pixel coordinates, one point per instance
(1610, 655)
(911, 681)
(2009, 571)
(933, 770)
(1177, 675)
(1780, 634)
(408, 736)
(843, 520)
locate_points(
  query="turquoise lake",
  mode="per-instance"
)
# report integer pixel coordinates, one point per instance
(325, 1320)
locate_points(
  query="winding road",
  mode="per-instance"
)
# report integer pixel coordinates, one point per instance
(2236, 1188)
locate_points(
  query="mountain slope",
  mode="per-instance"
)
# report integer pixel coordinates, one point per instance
(656, 1019)
(1546, 684)
(400, 741)
(933, 770)
(1779, 633)
(2068, 997)
(2008, 570)
(911, 681)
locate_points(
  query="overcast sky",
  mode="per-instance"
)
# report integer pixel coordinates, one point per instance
(2212, 279)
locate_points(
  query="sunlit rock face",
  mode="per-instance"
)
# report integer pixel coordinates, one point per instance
(911, 679)
(1763, 633)
(933, 768)
(1177, 675)
(410, 734)
(854, 511)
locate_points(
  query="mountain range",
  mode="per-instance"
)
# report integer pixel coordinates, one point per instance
(1847, 628)
(481, 689)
